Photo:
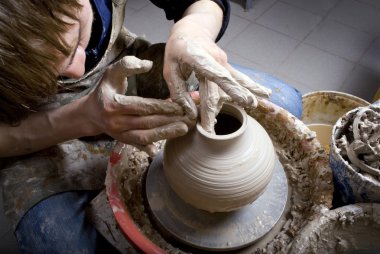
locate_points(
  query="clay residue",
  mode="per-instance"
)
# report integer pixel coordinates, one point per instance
(358, 141)
(130, 173)
(327, 106)
(348, 229)
(210, 105)
(305, 164)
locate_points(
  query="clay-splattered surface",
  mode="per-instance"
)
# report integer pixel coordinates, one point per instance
(348, 229)
(306, 165)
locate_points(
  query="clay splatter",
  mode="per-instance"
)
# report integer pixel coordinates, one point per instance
(358, 142)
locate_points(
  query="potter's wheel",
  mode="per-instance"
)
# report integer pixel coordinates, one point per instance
(214, 231)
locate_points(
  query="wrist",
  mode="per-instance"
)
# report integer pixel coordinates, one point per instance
(84, 119)
(202, 17)
(72, 120)
(189, 27)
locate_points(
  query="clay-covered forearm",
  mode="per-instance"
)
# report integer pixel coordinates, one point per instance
(42, 130)
(190, 48)
(175, 9)
(202, 16)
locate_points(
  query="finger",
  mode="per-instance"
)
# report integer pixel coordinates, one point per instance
(144, 137)
(147, 106)
(178, 92)
(131, 65)
(116, 75)
(223, 98)
(125, 123)
(248, 83)
(209, 100)
(150, 149)
(206, 66)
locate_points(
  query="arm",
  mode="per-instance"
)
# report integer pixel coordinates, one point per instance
(175, 11)
(43, 129)
(191, 47)
(205, 15)
(132, 120)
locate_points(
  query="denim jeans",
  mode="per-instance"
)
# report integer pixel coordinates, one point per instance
(58, 225)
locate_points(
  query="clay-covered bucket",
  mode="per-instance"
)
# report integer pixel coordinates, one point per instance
(352, 185)
(321, 110)
(347, 229)
(328, 106)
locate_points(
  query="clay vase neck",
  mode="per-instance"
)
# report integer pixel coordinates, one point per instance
(223, 171)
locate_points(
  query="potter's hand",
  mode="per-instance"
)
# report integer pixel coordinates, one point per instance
(191, 47)
(134, 120)
(219, 81)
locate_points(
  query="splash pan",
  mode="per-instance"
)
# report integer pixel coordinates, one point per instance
(304, 161)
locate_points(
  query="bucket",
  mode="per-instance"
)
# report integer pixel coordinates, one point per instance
(321, 110)
(347, 229)
(356, 179)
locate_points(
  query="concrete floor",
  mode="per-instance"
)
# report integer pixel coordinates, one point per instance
(311, 45)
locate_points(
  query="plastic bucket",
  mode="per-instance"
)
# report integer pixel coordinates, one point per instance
(351, 184)
(321, 110)
(347, 229)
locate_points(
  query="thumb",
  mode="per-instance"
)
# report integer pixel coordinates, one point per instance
(116, 74)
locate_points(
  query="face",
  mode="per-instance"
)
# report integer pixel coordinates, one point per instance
(78, 36)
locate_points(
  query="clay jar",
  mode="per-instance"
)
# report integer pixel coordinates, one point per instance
(224, 171)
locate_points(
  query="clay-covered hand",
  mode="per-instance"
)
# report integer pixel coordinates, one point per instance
(219, 81)
(191, 50)
(130, 119)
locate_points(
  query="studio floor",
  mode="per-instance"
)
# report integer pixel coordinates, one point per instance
(311, 45)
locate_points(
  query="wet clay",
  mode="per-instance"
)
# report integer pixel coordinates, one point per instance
(238, 86)
(358, 141)
(304, 161)
(220, 173)
(210, 105)
(348, 229)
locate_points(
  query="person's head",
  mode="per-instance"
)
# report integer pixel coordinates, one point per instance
(40, 40)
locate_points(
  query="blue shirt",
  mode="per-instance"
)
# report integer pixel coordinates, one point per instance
(101, 30)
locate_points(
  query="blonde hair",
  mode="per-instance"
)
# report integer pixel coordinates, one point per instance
(30, 42)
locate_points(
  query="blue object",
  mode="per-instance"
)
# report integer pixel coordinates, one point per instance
(343, 193)
(283, 94)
